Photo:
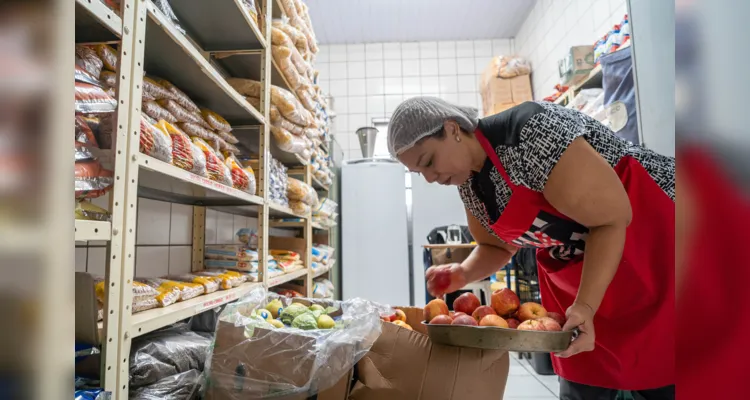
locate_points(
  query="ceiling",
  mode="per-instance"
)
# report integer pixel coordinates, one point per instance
(372, 21)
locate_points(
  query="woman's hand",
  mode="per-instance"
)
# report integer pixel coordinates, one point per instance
(579, 316)
(444, 279)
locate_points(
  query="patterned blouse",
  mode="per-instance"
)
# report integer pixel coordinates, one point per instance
(529, 140)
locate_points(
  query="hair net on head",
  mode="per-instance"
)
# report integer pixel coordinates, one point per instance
(419, 117)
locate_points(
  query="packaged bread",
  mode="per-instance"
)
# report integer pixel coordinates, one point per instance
(300, 191)
(282, 56)
(280, 38)
(293, 128)
(215, 120)
(108, 55)
(215, 168)
(306, 99)
(157, 112)
(153, 90)
(210, 284)
(286, 141)
(299, 207)
(186, 290)
(180, 113)
(180, 97)
(233, 252)
(296, 36)
(87, 59)
(285, 101)
(302, 66)
(154, 142)
(241, 179)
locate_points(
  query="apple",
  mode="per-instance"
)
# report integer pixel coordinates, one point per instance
(493, 320)
(482, 311)
(531, 310)
(399, 316)
(531, 325)
(456, 314)
(403, 324)
(442, 320)
(442, 280)
(466, 303)
(557, 317)
(505, 302)
(464, 320)
(513, 323)
(434, 308)
(549, 324)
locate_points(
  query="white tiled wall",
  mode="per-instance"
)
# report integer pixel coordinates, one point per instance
(553, 26)
(369, 80)
(164, 238)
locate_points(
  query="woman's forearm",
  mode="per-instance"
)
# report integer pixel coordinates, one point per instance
(603, 253)
(484, 261)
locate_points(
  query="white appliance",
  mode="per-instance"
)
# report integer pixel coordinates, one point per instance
(374, 239)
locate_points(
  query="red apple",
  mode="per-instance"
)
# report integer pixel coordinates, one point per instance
(482, 311)
(531, 310)
(504, 302)
(465, 320)
(434, 308)
(399, 316)
(513, 323)
(456, 314)
(403, 324)
(549, 324)
(442, 320)
(466, 303)
(531, 325)
(442, 280)
(557, 317)
(493, 320)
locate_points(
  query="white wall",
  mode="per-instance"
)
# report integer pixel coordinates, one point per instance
(433, 205)
(369, 81)
(553, 26)
(164, 238)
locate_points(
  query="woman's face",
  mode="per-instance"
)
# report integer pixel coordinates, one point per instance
(447, 160)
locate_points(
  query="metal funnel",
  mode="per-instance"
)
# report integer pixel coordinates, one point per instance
(367, 137)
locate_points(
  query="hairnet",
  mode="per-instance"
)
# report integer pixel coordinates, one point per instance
(419, 117)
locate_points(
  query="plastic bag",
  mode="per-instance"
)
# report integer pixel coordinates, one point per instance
(157, 112)
(282, 56)
(195, 130)
(285, 101)
(166, 9)
(152, 89)
(182, 149)
(228, 147)
(286, 141)
(165, 353)
(91, 179)
(226, 279)
(179, 96)
(155, 143)
(249, 266)
(92, 394)
(181, 290)
(108, 55)
(84, 134)
(141, 292)
(306, 99)
(269, 362)
(285, 255)
(240, 178)
(216, 169)
(185, 385)
(210, 284)
(300, 191)
(230, 252)
(215, 120)
(299, 39)
(108, 79)
(179, 112)
(228, 137)
(87, 59)
(510, 67)
(86, 210)
(299, 207)
(93, 99)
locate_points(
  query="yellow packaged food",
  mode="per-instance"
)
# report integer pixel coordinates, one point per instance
(210, 284)
(215, 168)
(216, 121)
(241, 179)
(299, 207)
(285, 255)
(108, 55)
(141, 291)
(172, 291)
(86, 210)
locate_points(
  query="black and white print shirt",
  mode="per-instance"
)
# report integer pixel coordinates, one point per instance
(530, 138)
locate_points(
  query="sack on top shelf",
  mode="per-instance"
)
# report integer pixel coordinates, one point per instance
(285, 101)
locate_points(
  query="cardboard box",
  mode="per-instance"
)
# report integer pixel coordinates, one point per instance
(497, 91)
(576, 65)
(271, 356)
(404, 364)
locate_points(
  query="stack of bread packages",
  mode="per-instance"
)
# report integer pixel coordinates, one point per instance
(302, 197)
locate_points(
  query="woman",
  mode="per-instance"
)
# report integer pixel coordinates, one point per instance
(600, 211)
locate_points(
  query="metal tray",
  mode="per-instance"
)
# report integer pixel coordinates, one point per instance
(493, 338)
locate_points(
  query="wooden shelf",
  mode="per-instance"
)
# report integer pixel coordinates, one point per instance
(95, 22)
(281, 279)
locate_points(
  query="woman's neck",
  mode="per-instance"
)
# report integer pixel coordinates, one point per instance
(478, 156)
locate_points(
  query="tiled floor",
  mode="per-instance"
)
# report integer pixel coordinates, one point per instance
(525, 384)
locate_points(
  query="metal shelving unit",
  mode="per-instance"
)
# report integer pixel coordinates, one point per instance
(149, 42)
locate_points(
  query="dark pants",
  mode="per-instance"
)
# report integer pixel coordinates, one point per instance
(576, 391)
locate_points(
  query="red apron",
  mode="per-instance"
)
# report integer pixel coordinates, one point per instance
(635, 322)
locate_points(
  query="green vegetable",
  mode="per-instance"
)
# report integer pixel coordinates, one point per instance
(331, 310)
(316, 307)
(305, 321)
(317, 313)
(292, 312)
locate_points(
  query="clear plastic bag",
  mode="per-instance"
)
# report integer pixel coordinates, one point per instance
(182, 290)
(250, 358)
(210, 284)
(216, 121)
(157, 112)
(155, 143)
(299, 207)
(284, 100)
(306, 99)
(108, 79)
(510, 67)
(230, 252)
(108, 55)
(152, 89)
(286, 141)
(179, 112)
(226, 279)
(87, 211)
(180, 97)
(87, 59)
(282, 55)
(91, 179)
(195, 130)
(93, 99)
(166, 9)
(240, 178)
(183, 386)
(216, 169)
(300, 191)
(182, 150)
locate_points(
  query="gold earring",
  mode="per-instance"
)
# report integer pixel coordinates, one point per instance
(458, 138)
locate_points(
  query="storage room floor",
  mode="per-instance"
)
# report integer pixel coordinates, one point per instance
(525, 384)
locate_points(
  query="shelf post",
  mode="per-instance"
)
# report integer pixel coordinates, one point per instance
(199, 237)
(264, 152)
(308, 233)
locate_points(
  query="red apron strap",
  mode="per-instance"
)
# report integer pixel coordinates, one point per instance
(490, 151)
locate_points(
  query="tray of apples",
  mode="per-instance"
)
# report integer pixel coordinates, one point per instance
(505, 324)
